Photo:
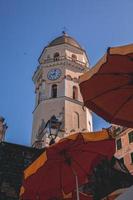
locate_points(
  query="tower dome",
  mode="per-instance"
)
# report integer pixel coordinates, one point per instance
(64, 39)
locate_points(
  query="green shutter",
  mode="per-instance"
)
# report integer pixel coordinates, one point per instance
(130, 136)
(119, 144)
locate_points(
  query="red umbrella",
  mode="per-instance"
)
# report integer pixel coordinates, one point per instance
(107, 89)
(65, 165)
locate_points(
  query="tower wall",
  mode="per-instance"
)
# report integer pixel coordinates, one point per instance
(76, 118)
(45, 110)
(60, 66)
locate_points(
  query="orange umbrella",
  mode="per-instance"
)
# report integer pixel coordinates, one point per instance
(66, 165)
(107, 89)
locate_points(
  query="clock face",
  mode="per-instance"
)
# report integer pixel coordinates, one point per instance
(54, 74)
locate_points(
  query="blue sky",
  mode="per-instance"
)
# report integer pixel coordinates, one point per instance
(26, 26)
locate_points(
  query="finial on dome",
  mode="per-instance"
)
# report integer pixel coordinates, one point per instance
(64, 31)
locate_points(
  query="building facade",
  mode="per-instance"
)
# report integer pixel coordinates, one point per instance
(14, 159)
(124, 145)
(57, 90)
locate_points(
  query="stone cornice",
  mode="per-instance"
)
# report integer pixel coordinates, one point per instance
(61, 97)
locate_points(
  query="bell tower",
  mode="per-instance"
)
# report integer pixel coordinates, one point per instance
(57, 91)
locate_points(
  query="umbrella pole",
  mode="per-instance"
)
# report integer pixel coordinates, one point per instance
(77, 187)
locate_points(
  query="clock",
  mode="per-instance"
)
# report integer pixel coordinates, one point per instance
(54, 74)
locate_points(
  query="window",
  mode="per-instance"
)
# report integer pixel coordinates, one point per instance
(130, 136)
(76, 122)
(54, 91)
(75, 92)
(48, 57)
(74, 57)
(39, 97)
(131, 157)
(56, 56)
(118, 144)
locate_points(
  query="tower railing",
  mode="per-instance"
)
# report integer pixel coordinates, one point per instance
(61, 58)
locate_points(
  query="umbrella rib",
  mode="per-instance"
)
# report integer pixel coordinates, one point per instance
(103, 155)
(79, 166)
(116, 88)
(123, 104)
(60, 177)
(69, 146)
(91, 152)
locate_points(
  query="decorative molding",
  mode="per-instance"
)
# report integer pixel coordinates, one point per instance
(69, 77)
(62, 61)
